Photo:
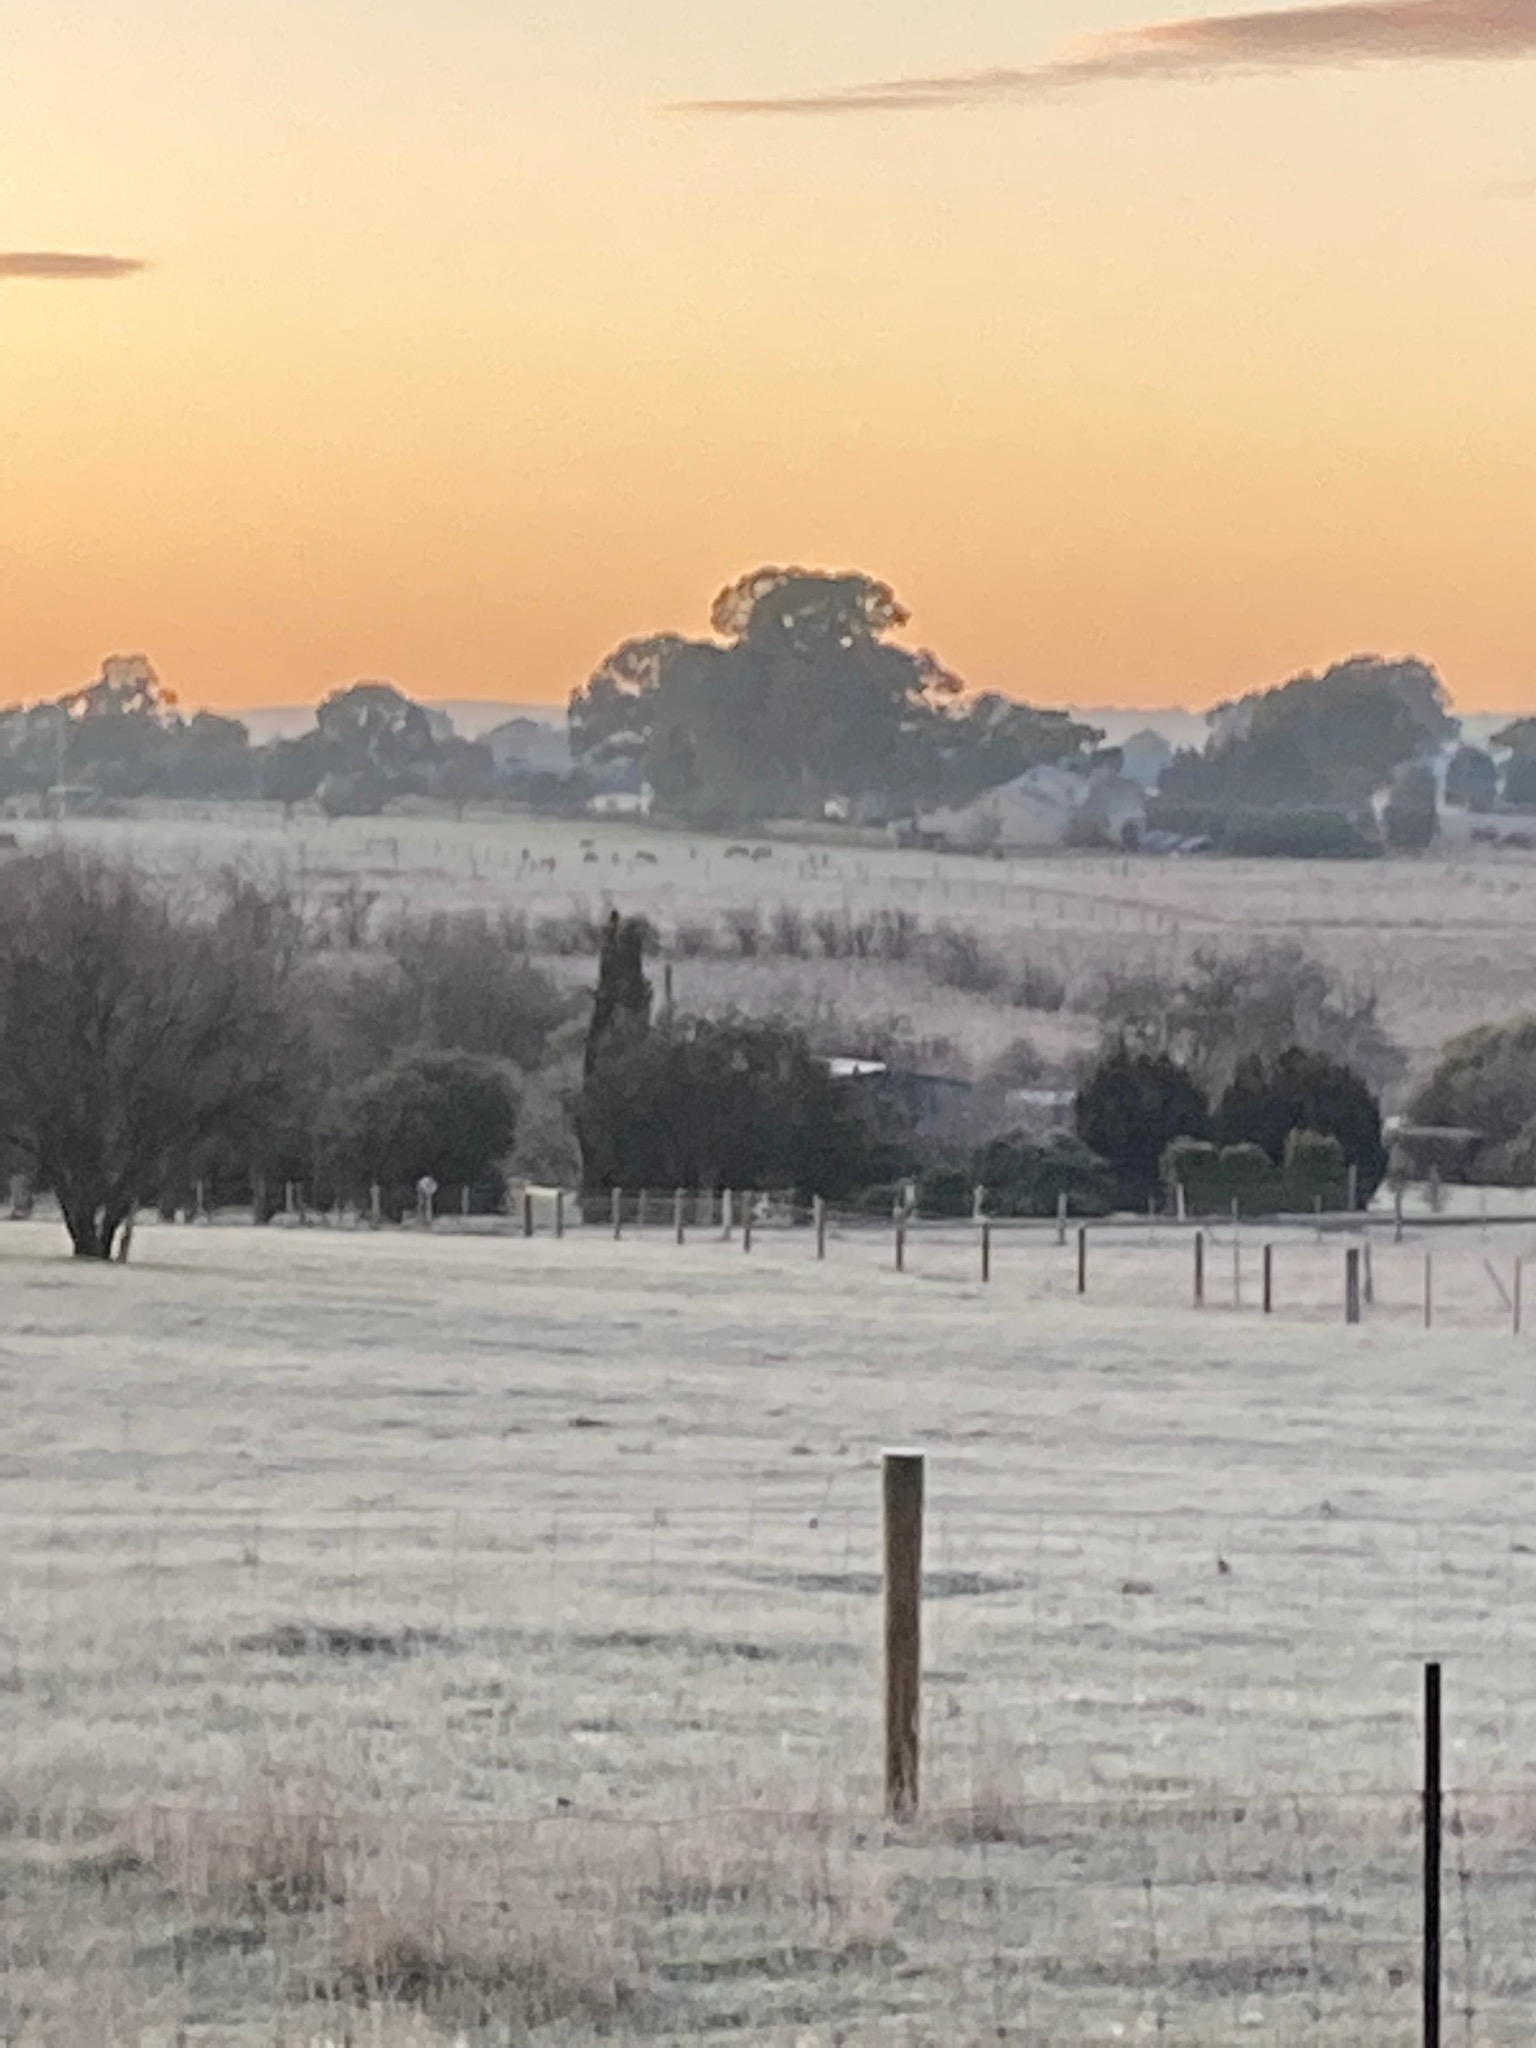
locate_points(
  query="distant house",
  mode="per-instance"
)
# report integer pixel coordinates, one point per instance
(1045, 807)
(622, 803)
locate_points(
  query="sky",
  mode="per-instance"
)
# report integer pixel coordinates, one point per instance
(1151, 356)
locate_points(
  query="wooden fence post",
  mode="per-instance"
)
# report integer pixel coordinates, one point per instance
(1237, 1257)
(375, 1206)
(727, 1215)
(746, 1222)
(1397, 1216)
(1061, 1219)
(819, 1213)
(1429, 1290)
(903, 1504)
(901, 1240)
(559, 1212)
(1352, 1285)
(679, 1222)
(1354, 1187)
(986, 1252)
(1368, 1273)
(1082, 1258)
(1269, 1279)
(616, 1204)
(527, 1212)
(1199, 1269)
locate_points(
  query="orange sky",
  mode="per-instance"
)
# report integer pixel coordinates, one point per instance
(460, 356)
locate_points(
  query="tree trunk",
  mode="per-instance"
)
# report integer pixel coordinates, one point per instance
(93, 1229)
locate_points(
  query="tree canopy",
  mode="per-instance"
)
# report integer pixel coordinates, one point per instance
(1335, 738)
(803, 697)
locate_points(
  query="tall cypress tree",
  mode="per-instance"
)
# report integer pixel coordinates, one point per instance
(621, 1003)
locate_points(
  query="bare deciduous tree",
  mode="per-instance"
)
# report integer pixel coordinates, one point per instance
(133, 1032)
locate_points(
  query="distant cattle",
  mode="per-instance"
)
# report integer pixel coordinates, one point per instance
(738, 853)
(762, 853)
(646, 860)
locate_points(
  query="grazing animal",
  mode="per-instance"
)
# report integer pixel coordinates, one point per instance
(645, 860)
(589, 857)
(738, 853)
(762, 853)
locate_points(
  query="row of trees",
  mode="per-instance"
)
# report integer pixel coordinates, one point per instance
(1284, 1129)
(123, 737)
(148, 1042)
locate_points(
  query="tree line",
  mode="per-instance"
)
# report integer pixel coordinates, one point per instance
(153, 1039)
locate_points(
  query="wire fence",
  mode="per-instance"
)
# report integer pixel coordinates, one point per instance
(1171, 1767)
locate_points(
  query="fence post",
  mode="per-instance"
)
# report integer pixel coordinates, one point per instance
(289, 1204)
(1429, 1290)
(1434, 1804)
(1354, 1187)
(616, 1203)
(1269, 1279)
(1368, 1272)
(1237, 1258)
(679, 1222)
(903, 1504)
(986, 1252)
(1082, 1258)
(727, 1214)
(375, 1206)
(746, 1222)
(901, 1240)
(464, 1200)
(1061, 1218)
(1397, 1216)
(820, 1211)
(1199, 1269)
(1352, 1285)
(1317, 1210)
(559, 1212)
(640, 1212)
(527, 1213)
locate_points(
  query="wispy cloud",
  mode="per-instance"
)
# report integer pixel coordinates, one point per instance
(1287, 39)
(59, 265)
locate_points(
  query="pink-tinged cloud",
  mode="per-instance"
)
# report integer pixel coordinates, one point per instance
(1288, 39)
(58, 265)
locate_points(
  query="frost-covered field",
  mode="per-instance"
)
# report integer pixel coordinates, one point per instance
(1448, 940)
(404, 1636)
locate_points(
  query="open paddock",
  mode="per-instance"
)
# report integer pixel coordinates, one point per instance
(1447, 939)
(412, 1636)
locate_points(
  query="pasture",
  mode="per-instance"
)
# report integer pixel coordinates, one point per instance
(1448, 940)
(409, 1638)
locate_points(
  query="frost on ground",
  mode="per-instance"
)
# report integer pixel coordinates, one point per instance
(405, 1638)
(1448, 940)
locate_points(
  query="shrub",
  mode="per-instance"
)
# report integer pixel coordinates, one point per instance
(1483, 1081)
(1213, 1178)
(443, 1114)
(1130, 1109)
(960, 959)
(1027, 1176)
(1314, 1169)
(1304, 1091)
